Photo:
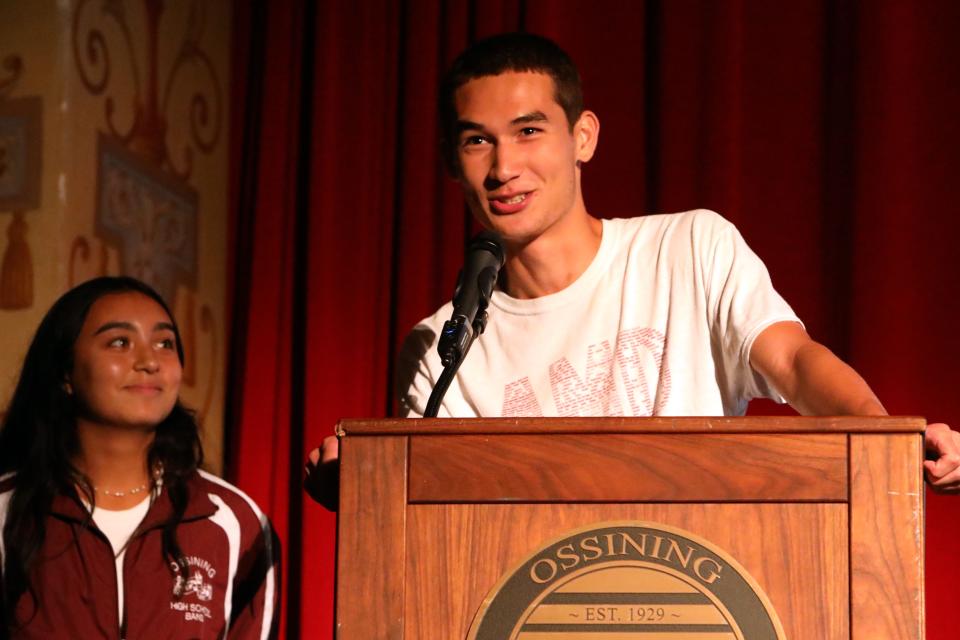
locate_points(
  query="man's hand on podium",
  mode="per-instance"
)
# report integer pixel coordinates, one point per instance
(943, 464)
(322, 479)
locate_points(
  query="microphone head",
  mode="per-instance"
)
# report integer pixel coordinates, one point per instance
(482, 262)
(488, 241)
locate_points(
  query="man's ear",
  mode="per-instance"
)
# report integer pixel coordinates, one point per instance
(67, 387)
(586, 132)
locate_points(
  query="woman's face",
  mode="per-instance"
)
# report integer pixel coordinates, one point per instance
(126, 372)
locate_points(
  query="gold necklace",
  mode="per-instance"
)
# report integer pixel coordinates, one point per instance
(122, 494)
(157, 478)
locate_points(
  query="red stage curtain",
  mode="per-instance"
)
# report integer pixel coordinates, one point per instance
(827, 132)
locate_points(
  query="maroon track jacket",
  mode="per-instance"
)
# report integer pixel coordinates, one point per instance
(231, 589)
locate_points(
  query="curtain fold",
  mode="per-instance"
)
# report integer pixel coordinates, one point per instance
(261, 374)
(826, 131)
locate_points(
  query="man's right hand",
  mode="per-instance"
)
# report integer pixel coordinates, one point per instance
(322, 479)
(943, 471)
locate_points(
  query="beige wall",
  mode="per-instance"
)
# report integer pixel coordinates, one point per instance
(65, 244)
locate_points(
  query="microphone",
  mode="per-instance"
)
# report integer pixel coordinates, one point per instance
(482, 263)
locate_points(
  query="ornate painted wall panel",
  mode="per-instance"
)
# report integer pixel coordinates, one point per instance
(113, 160)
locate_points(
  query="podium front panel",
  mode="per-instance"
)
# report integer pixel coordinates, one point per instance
(828, 524)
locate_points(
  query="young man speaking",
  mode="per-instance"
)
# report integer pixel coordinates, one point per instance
(655, 315)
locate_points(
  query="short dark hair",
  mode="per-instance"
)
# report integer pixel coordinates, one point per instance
(500, 54)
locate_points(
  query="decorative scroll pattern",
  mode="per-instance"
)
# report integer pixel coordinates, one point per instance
(205, 122)
(80, 253)
(147, 134)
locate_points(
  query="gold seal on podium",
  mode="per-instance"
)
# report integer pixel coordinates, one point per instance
(627, 580)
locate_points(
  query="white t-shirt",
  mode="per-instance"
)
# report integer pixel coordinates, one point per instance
(660, 323)
(118, 526)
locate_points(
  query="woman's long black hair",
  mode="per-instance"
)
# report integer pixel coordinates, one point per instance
(38, 439)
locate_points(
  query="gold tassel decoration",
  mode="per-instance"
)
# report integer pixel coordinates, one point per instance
(16, 274)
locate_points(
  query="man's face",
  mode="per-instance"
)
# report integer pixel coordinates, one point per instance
(517, 154)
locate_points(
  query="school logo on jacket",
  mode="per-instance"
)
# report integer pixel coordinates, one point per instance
(190, 591)
(629, 580)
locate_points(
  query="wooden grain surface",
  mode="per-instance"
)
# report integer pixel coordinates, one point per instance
(752, 424)
(886, 537)
(795, 552)
(421, 570)
(628, 468)
(371, 545)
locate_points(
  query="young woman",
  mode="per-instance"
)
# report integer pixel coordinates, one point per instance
(109, 528)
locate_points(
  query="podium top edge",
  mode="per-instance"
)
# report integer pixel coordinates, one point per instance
(750, 424)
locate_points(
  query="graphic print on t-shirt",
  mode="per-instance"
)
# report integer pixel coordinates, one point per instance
(637, 362)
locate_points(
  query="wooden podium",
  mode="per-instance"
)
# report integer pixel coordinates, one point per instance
(825, 514)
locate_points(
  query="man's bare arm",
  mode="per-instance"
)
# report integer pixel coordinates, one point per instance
(809, 376)
(816, 382)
